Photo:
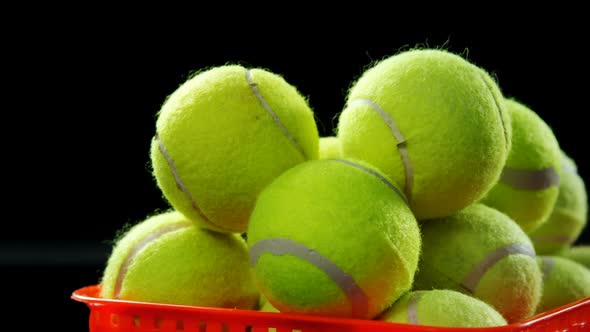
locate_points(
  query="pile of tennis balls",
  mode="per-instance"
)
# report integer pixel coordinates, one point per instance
(431, 205)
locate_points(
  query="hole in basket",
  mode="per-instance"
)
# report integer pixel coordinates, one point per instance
(114, 319)
(224, 327)
(202, 327)
(179, 325)
(158, 323)
(136, 321)
(248, 328)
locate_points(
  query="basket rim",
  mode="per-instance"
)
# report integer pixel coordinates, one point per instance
(88, 295)
(85, 295)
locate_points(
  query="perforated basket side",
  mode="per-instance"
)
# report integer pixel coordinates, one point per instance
(116, 315)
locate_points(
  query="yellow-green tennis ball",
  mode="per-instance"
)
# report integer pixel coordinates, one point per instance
(529, 184)
(330, 147)
(333, 237)
(564, 281)
(266, 306)
(481, 252)
(442, 308)
(223, 136)
(578, 254)
(433, 123)
(569, 215)
(167, 259)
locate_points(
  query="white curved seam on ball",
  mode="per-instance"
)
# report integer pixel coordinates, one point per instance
(138, 247)
(180, 185)
(413, 308)
(547, 267)
(359, 301)
(401, 142)
(499, 110)
(479, 270)
(375, 174)
(526, 179)
(254, 86)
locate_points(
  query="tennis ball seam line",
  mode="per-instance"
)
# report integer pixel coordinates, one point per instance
(497, 108)
(478, 271)
(140, 245)
(525, 179)
(547, 265)
(182, 187)
(375, 174)
(359, 301)
(413, 307)
(254, 86)
(401, 142)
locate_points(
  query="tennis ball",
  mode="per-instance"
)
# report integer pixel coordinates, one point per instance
(529, 184)
(266, 306)
(333, 237)
(481, 252)
(578, 254)
(167, 259)
(223, 136)
(442, 308)
(329, 147)
(564, 281)
(432, 122)
(569, 215)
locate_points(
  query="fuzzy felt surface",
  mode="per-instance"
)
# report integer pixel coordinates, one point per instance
(578, 254)
(188, 265)
(266, 306)
(452, 116)
(330, 147)
(453, 246)
(346, 215)
(564, 281)
(569, 215)
(534, 147)
(226, 146)
(443, 308)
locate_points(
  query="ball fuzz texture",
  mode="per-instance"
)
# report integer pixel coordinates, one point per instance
(481, 252)
(564, 281)
(330, 147)
(569, 215)
(433, 123)
(442, 308)
(333, 237)
(223, 136)
(167, 259)
(578, 254)
(265, 306)
(529, 184)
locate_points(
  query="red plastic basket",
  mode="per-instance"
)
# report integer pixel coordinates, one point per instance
(117, 315)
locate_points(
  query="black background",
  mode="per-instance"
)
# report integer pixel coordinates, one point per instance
(84, 105)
